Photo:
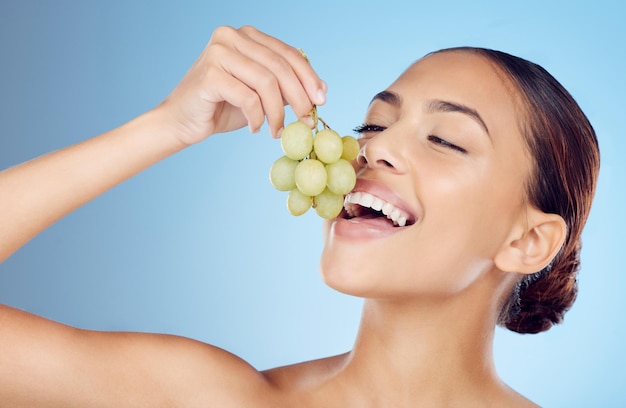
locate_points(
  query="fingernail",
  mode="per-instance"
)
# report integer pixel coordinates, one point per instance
(307, 120)
(320, 97)
(279, 132)
(324, 87)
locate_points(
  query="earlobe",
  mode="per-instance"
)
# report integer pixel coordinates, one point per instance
(532, 248)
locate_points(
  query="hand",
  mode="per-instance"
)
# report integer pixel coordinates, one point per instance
(242, 77)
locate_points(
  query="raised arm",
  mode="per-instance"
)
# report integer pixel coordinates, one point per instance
(242, 77)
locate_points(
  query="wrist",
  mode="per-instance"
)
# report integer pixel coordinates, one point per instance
(164, 126)
(178, 124)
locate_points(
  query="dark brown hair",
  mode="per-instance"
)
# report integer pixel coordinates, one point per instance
(564, 148)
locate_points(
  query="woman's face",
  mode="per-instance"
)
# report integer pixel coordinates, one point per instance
(442, 148)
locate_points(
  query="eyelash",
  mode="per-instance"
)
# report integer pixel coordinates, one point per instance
(445, 143)
(369, 127)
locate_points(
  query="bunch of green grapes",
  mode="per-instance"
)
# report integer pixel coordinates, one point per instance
(315, 169)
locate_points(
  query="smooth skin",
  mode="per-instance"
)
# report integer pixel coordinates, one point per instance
(427, 328)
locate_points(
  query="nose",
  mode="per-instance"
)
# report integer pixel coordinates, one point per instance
(382, 152)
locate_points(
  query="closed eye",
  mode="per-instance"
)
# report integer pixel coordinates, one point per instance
(372, 128)
(445, 143)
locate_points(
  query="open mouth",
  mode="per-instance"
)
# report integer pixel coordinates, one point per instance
(367, 206)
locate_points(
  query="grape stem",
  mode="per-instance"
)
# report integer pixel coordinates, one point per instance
(317, 119)
(313, 112)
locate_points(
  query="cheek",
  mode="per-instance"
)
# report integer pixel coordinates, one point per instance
(466, 223)
(485, 218)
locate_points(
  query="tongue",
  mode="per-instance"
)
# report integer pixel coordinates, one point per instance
(375, 221)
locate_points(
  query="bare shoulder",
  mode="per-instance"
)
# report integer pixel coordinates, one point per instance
(183, 372)
(44, 363)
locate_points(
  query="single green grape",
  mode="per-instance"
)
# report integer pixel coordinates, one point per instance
(341, 177)
(351, 148)
(328, 204)
(328, 146)
(298, 203)
(296, 140)
(310, 177)
(282, 174)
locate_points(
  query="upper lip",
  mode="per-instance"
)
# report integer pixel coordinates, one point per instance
(391, 201)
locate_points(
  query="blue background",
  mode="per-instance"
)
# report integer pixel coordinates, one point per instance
(201, 245)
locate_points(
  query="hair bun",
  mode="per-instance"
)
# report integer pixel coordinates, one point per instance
(540, 300)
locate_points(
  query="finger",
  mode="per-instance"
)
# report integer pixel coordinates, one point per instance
(237, 94)
(315, 87)
(291, 88)
(283, 56)
(261, 80)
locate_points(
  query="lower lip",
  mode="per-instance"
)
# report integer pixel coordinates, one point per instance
(359, 228)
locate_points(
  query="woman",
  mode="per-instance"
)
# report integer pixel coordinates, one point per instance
(490, 161)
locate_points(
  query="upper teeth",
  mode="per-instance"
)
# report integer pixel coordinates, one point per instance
(363, 199)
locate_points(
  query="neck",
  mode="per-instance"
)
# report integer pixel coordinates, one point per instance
(431, 350)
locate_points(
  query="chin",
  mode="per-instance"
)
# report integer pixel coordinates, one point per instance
(339, 271)
(351, 269)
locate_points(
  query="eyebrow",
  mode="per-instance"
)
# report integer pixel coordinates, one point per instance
(435, 105)
(387, 96)
(445, 106)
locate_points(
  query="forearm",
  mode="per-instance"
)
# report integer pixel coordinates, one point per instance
(37, 193)
(223, 90)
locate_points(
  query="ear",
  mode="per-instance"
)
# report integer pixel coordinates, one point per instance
(532, 246)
